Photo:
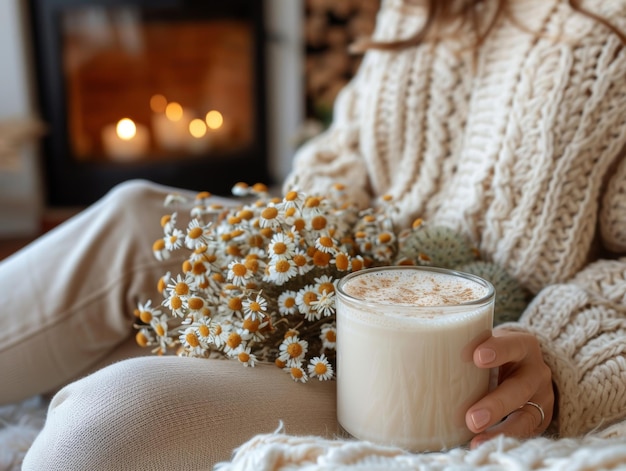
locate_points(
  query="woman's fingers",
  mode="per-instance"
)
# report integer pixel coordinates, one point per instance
(524, 377)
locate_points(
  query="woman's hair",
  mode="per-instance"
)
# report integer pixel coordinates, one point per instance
(441, 13)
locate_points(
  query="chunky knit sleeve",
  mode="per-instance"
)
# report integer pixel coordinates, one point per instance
(581, 326)
(333, 156)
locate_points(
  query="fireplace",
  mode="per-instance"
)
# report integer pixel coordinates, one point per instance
(168, 90)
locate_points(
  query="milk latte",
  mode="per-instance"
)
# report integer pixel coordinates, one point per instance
(405, 340)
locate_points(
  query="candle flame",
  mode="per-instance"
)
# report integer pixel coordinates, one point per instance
(174, 111)
(214, 119)
(126, 129)
(197, 128)
(158, 103)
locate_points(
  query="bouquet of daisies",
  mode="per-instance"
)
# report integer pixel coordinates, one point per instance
(258, 281)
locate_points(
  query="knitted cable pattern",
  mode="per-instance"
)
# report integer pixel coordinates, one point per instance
(281, 452)
(522, 149)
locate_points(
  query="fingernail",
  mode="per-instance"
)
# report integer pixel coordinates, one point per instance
(480, 418)
(486, 355)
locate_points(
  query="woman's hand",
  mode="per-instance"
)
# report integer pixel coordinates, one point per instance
(523, 377)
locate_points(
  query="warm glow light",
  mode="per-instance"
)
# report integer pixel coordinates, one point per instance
(174, 111)
(158, 103)
(197, 128)
(126, 129)
(214, 119)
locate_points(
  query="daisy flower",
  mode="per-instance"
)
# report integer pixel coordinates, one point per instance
(281, 246)
(233, 342)
(280, 271)
(305, 299)
(245, 357)
(174, 198)
(269, 217)
(287, 303)
(191, 343)
(325, 304)
(160, 250)
(197, 235)
(328, 336)
(255, 308)
(297, 373)
(292, 350)
(292, 199)
(174, 240)
(238, 273)
(219, 334)
(168, 222)
(321, 368)
(145, 312)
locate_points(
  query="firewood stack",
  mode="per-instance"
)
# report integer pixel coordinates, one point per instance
(330, 27)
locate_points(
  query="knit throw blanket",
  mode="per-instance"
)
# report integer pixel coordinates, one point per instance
(282, 452)
(20, 423)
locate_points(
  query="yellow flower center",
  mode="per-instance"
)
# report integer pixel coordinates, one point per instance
(192, 340)
(296, 373)
(321, 259)
(342, 262)
(320, 368)
(145, 316)
(160, 331)
(233, 250)
(294, 350)
(141, 339)
(282, 266)
(279, 363)
(252, 265)
(245, 214)
(187, 266)
(290, 212)
(218, 329)
(161, 284)
(269, 213)
(417, 223)
(299, 224)
(198, 268)
(326, 241)
(328, 287)
(243, 357)
(234, 340)
(195, 232)
(165, 219)
(312, 202)
(158, 245)
(255, 307)
(251, 325)
(176, 302)
(182, 288)
(255, 240)
(234, 220)
(384, 238)
(299, 260)
(357, 264)
(369, 218)
(267, 232)
(204, 330)
(309, 297)
(236, 233)
(330, 336)
(259, 187)
(196, 303)
(318, 223)
(239, 269)
(235, 304)
(291, 196)
(280, 248)
(289, 302)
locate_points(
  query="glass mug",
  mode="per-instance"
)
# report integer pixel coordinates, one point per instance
(405, 343)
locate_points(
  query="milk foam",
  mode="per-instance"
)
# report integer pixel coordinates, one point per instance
(410, 287)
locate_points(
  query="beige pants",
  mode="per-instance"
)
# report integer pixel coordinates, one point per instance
(66, 311)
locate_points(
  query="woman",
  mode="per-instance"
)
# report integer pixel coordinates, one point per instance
(503, 119)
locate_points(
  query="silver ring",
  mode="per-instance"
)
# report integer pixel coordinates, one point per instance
(539, 408)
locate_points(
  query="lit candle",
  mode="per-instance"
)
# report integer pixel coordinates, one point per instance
(125, 140)
(171, 127)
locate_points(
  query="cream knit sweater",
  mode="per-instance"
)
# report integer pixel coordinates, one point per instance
(523, 150)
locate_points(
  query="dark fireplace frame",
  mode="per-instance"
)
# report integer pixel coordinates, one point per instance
(72, 183)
